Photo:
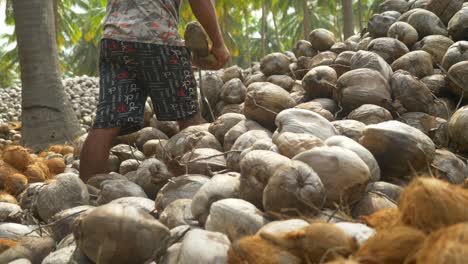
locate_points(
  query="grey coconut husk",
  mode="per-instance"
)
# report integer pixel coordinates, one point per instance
(35, 249)
(404, 32)
(232, 73)
(233, 108)
(140, 203)
(437, 83)
(151, 175)
(411, 92)
(274, 63)
(304, 48)
(256, 169)
(371, 203)
(125, 152)
(435, 127)
(212, 85)
(350, 128)
(177, 213)
(457, 128)
(344, 58)
(394, 5)
(9, 212)
(362, 152)
(458, 78)
(62, 222)
(449, 167)
(264, 101)
(322, 39)
(364, 43)
(201, 247)
(284, 81)
(325, 58)
(343, 173)
(317, 108)
(190, 138)
(290, 144)
(379, 24)
(400, 149)
(204, 161)
(156, 148)
(370, 114)
(97, 179)
(114, 189)
(244, 142)
(389, 49)
(456, 53)
(436, 45)
(391, 13)
(170, 128)
(128, 166)
(239, 129)
(258, 77)
(405, 16)
(283, 226)
(458, 25)
(15, 231)
(418, 63)
(179, 188)
(444, 9)
(294, 189)
(320, 82)
(221, 186)
(370, 60)
(234, 217)
(222, 124)
(362, 86)
(98, 234)
(328, 104)
(233, 91)
(427, 23)
(391, 191)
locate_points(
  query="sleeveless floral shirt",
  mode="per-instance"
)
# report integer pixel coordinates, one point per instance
(146, 21)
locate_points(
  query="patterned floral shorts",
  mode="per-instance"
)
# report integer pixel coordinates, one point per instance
(131, 71)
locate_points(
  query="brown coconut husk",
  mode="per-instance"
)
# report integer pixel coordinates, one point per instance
(15, 183)
(37, 172)
(427, 23)
(290, 144)
(458, 25)
(274, 63)
(379, 24)
(383, 219)
(456, 53)
(446, 246)
(388, 48)
(7, 198)
(457, 129)
(56, 165)
(284, 81)
(390, 246)
(404, 32)
(413, 94)
(304, 48)
(322, 39)
(315, 243)
(320, 82)
(342, 261)
(370, 114)
(394, 5)
(17, 156)
(6, 244)
(445, 9)
(430, 204)
(437, 83)
(325, 58)
(419, 63)
(458, 78)
(317, 108)
(447, 166)
(61, 149)
(370, 60)
(371, 203)
(436, 45)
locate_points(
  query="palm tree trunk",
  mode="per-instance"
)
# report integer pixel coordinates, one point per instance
(337, 23)
(359, 8)
(247, 36)
(306, 22)
(275, 24)
(264, 14)
(348, 18)
(46, 112)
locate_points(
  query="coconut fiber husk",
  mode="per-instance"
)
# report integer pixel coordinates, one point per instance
(15, 183)
(56, 165)
(383, 219)
(17, 156)
(391, 246)
(430, 204)
(7, 198)
(37, 172)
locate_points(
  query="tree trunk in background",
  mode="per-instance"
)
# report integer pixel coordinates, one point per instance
(264, 14)
(47, 117)
(348, 18)
(306, 22)
(275, 24)
(337, 23)
(247, 37)
(359, 8)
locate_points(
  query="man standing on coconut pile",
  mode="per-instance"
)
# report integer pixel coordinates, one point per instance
(141, 55)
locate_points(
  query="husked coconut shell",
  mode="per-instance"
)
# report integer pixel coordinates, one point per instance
(320, 82)
(233, 108)
(201, 247)
(284, 81)
(233, 91)
(456, 53)
(113, 163)
(458, 25)
(404, 32)
(191, 138)
(34, 249)
(98, 231)
(7, 198)
(128, 166)
(242, 143)
(125, 152)
(325, 58)
(264, 101)
(344, 58)
(350, 128)
(436, 128)
(114, 189)
(387, 189)
(177, 213)
(304, 121)
(435, 45)
(358, 231)
(437, 83)
(379, 24)
(445, 9)
(418, 63)
(363, 153)
(458, 77)
(290, 144)
(240, 128)
(294, 185)
(322, 39)
(413, 94)
(258, 77)
(97, 179)
(399, 149)
(371, 203)
(149, 133)
(427, 23)
(14, 183)
(62, 222)
(169, 128)
(156, 148)
(222, 124)
(389, 49)
(234, 217)
(364, 43)
(343, 173)
(274, 63)
(394, 5)
(457, 129)
(340, 47)
(232, 73)
(182, 187)
(221, 186)
(383, 219)
(204, 161)
(140, 203)
(283, 227)
(304, 48)
(327, 103)
(362, 86)
(256, 168)
(317, 108)
(66, 191)
(449, 167)
(370, 114)
(212, 87)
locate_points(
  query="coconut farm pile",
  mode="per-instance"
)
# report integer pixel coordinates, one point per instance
(335, 152)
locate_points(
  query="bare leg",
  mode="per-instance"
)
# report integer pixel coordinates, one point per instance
(195, 120)
(95, 152)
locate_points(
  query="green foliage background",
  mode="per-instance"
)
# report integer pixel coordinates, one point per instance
(78, 25)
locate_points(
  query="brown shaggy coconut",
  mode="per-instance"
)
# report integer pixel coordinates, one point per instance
(383, 219)
(320, 82)
(430, 204)
(370, 60)
(446, 246)
(7, 198)
(343, 173)
(322, 39)
(370, 114)
(274, 63)
(458, 25)
(61, 149)
(445, 9)
(456, 53)
(404, 32)
(457, 129)
(304, 48)
(379, 24)
(333, 242)
(98, 232)
(290, 144)
(362, 86)
(56, 165)
(39, 171)
(388, 48)
(17, 156)
(427, 23)
(419, 63)
(399, 149)
(391, 246)
(14, 183)
(264, 101)
(436, 45)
